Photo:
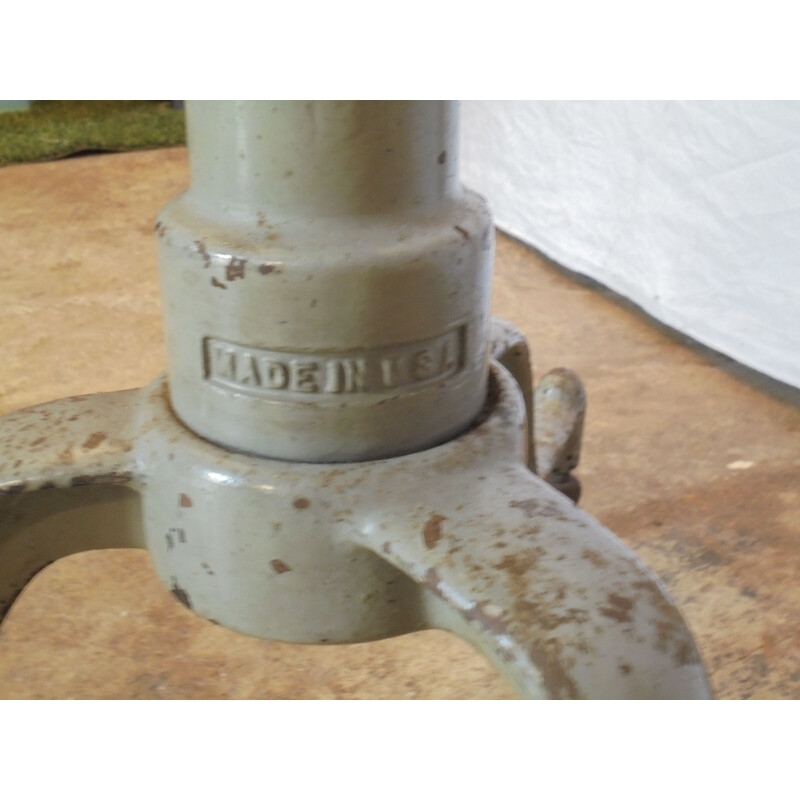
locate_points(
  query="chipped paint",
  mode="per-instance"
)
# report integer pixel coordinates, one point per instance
(617, 608)
(180, 594)
(94, 440)
(432, 531)
(488, 615)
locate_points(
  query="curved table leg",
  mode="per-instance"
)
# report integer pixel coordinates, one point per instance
(556, 601)
(67, 484)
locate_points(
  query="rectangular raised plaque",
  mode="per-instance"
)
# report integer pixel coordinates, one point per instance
(379, 370)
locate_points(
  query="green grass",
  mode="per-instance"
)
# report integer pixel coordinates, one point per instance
(57, 128)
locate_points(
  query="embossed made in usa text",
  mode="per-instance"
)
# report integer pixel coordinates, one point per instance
(277, 373)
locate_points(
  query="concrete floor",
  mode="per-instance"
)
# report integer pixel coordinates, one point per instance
(689, 458)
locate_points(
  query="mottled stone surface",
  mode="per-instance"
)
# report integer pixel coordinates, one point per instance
(691, 460)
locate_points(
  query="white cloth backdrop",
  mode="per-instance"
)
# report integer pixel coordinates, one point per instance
(690, 210)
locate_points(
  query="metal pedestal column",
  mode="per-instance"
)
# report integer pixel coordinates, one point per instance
(342, 449)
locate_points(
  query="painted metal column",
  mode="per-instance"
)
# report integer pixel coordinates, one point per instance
(326, 280)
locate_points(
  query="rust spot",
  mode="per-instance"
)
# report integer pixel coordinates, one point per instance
(473, 566)
(218, 284)
(273, 236)
(201, 248)
(615, 614)
(665, 629)
(331, 475)
(670, 628)
(386, 547)
(618, 608)
(625, 669)
(540, 615)
(280, 566)
(519, 565)
(553, 669)
(160, 229)
(540, 609)
(462, 231)
(236, 269)
(301, 502)
(266, 269)
(596, 559)
(185, 501)
(40, 440)
(181, 594)
(442, 157)
(65, 456)
(685, 654)
(432, 531)
(528, 507)
(94, 440)
(620, 602)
